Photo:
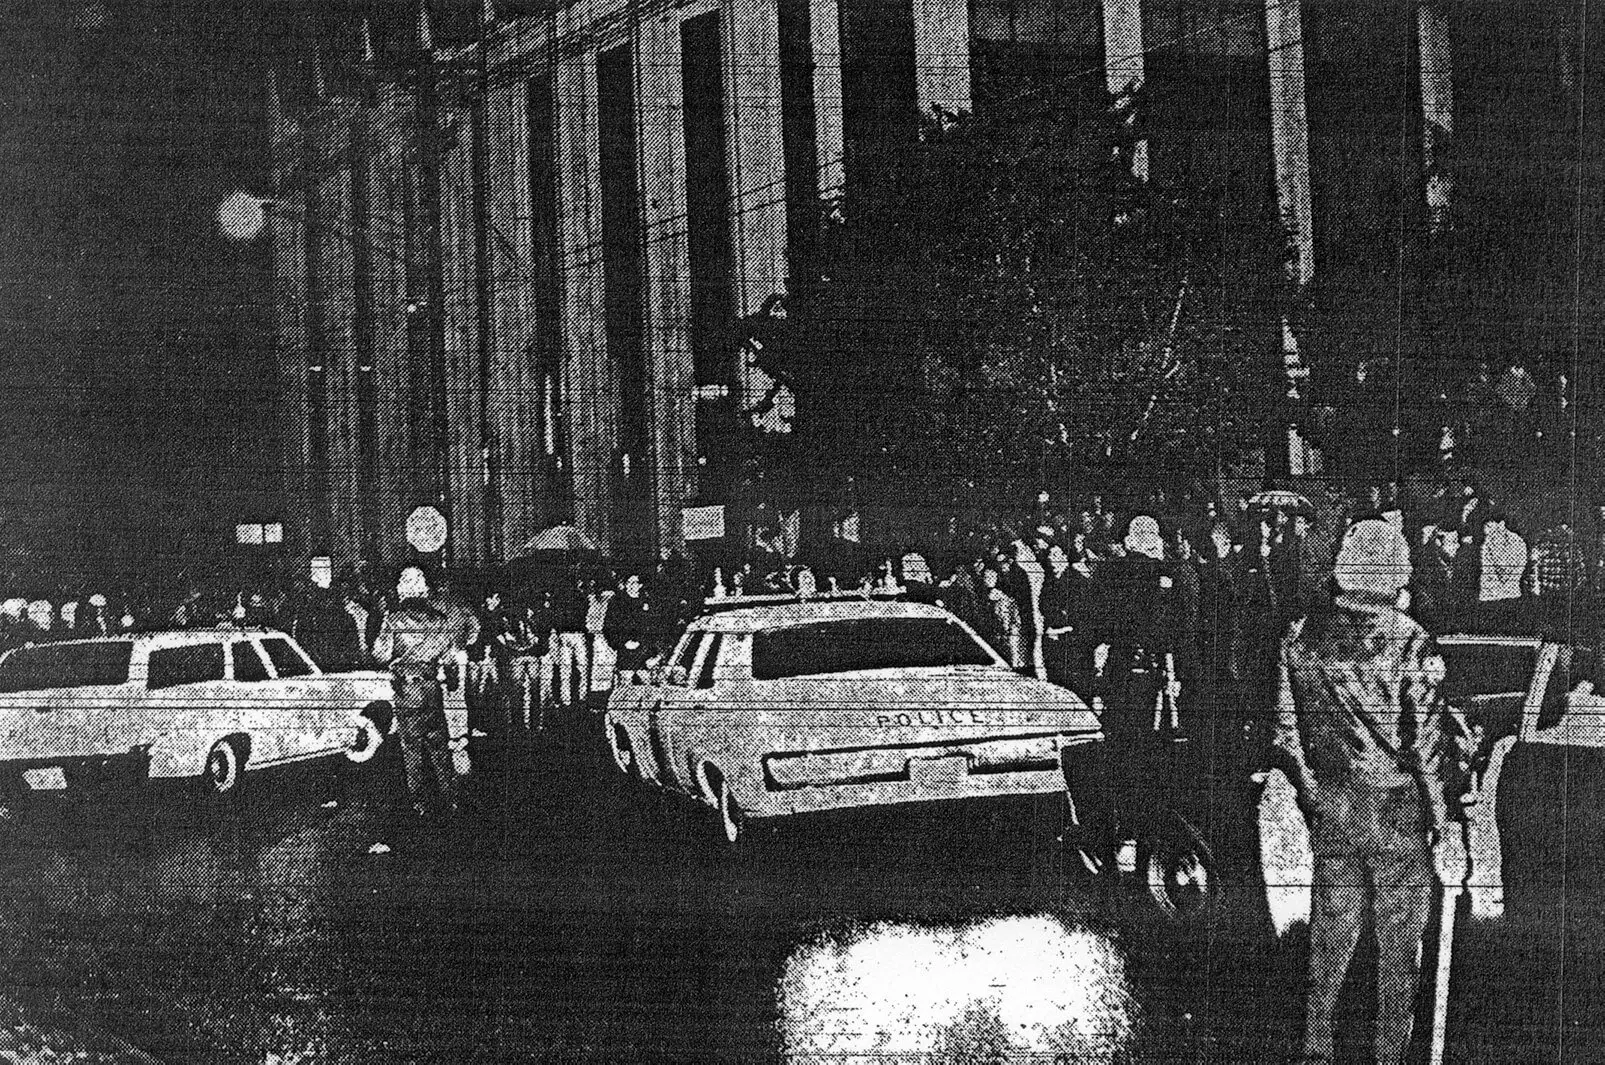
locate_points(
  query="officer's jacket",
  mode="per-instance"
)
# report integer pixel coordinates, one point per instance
(1360, 701)
(1362, 722)
(417, 633)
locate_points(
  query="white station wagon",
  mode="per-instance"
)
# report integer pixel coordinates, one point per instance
(206, 704)
(795, 707)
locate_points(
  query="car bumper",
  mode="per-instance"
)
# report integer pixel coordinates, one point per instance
(807, 782)
(61, 773)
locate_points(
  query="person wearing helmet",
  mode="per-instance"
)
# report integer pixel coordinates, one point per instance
(1363, 731)
(416, 639)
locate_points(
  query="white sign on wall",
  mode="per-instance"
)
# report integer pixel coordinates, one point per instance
(702, 523)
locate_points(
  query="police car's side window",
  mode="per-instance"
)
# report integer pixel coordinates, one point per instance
(1475, 669)
(70, 665)
(247, 663)
(285, 659)
(709, 659)
(1576, 666)
(688, 651)
(194, 663)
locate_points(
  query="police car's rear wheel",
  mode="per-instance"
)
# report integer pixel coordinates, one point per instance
(1180, 872)
(225, 763)
(367, 736)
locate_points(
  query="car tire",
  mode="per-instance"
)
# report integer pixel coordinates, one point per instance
(224, 769)
(624, 755)
(1180, 873)
(368, 737)
(730, 821)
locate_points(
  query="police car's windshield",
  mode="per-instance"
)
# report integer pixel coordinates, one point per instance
(864, 643)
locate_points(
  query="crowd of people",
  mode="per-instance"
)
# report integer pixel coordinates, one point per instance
(1202, 589)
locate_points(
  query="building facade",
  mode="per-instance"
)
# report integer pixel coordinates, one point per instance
(507, 266)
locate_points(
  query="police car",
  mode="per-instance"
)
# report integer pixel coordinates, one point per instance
(204, 704)
(1538, 834)
(769, 708)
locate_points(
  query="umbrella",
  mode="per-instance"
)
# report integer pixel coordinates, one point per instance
(1281, 499)
(559, 539)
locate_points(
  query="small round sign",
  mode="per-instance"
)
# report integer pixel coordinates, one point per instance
(426, 529)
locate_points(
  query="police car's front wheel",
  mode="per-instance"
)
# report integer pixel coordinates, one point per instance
(624, 755)
(1180, 872)
(732, 821)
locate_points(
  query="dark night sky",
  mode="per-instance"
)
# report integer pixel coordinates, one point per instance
(132, 331)
(133, 334)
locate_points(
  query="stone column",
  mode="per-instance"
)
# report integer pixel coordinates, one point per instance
(514, 387)
(1437, 109)
(942, 55)
(1290, 148)
(1125, 73)
(587, 370)
(660, 144)
(824, 33)
(389, 131)
(1290, 129)
(464, 458)
(757, 157)
(336, 274)
(287, 226)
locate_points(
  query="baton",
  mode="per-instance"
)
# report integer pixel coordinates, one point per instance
(1446, 939)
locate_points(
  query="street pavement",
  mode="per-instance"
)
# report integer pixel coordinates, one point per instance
(564, 916)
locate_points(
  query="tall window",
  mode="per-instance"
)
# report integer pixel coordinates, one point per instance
(1365, 145)
(362, 317)
(1021, 47)
(622, 270)
(1209, 103)
(317, 355)
(880, 104)
(549, 451)
(707, 199)
(797, 127)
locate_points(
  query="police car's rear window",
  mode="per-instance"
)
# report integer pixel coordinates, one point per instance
(70, 665)
(863, 643)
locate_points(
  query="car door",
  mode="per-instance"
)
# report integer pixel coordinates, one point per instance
(258, 700)
(189, 702)
(680, 711)
(1489, 680)
(641, 708)
(309, 720)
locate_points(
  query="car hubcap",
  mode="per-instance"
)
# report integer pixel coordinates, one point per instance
(222, 771)
(1183, 883)
(727, 810)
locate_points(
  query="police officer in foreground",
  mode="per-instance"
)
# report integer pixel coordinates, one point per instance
(1364, 731)
(415, 641)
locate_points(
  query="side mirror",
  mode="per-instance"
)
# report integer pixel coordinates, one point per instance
(677, 676)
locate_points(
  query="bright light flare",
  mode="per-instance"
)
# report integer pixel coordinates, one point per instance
(242, 216)
(1014, 988)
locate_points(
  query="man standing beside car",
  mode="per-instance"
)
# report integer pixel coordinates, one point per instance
(1362, 727)
(416, 639)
